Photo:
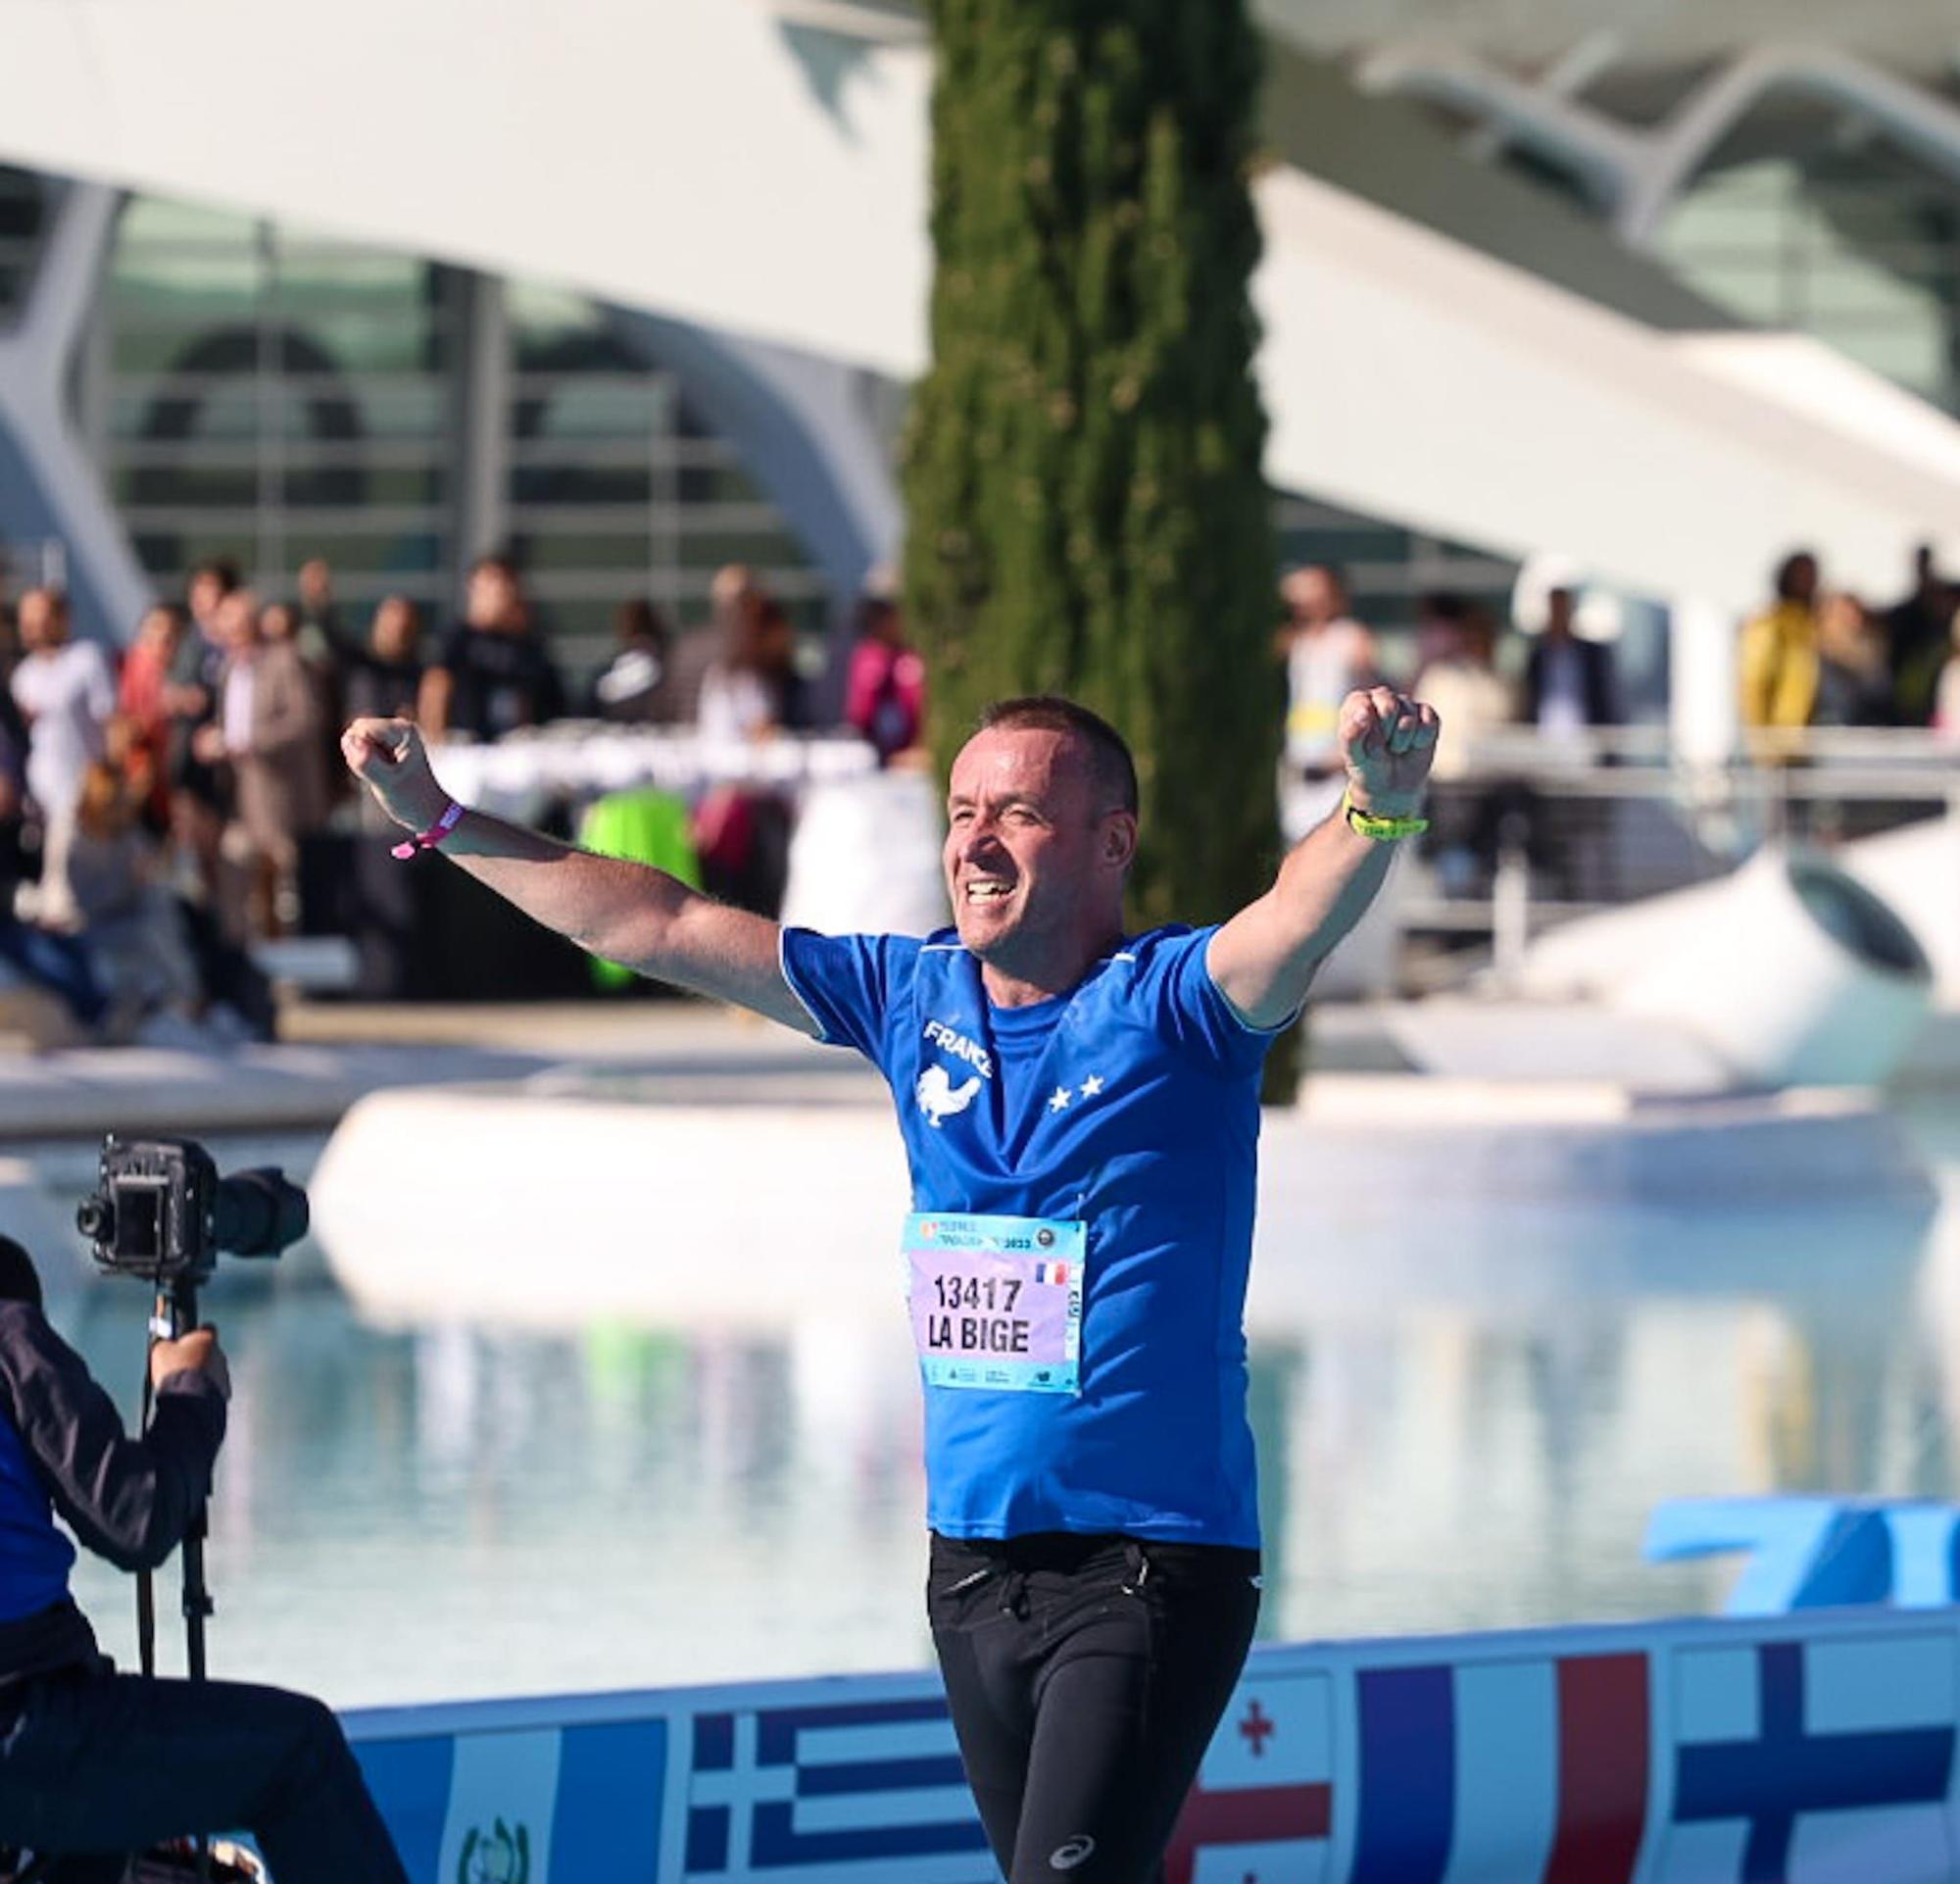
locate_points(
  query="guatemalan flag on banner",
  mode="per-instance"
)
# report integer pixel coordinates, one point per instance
(1827, 1763)
(1501, 1773)
(546, 1806)
(1262, 1806)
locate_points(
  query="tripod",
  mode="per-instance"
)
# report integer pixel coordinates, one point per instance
(175, 1314)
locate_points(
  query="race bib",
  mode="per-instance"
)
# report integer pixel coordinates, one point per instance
(997, 1301)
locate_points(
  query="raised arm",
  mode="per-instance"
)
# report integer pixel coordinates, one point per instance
(1264, 958)
(628, 912)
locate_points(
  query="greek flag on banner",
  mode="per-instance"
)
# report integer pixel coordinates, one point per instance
(870, 1792)
(538, 1806)
(1829, 1763)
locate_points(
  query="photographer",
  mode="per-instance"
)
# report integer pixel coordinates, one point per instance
(93, 1762)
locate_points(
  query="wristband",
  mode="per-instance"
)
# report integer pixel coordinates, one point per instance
(1383, 830)
(430, 839)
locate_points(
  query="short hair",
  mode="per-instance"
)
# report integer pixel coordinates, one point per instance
(221, 569)
(1111, 762)
(1786, 572)
(501, 561)
(19, 1280)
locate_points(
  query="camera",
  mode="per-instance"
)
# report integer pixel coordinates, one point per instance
(161, 1210)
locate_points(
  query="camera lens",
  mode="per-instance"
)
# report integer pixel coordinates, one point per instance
(259, 1213)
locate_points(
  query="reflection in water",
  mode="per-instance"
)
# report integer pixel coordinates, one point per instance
(1462, 1424)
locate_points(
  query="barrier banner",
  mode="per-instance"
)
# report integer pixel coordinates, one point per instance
(1816, 1748)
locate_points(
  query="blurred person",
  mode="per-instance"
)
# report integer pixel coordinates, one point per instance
(492, 674)
(636, 688)
(1946, 690)
(127, 921)
(199, 790)
(384, 678)
(318, 624)
(1854, 677)
(1328, 656)
(884, 689)
(142, 692)
(1916, 630)
(1570, 689)
(753, 690)
(1778, 651)
(1092, 1508)
(66, 692)
(1569, 686)
(267, 732)
(734, 598)
(1461, 681)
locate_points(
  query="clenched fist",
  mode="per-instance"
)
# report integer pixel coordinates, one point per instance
(1388, 744)
(389, 758)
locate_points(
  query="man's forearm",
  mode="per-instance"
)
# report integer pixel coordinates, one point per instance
(620, 910)
(1326, 883)
(1264, 958)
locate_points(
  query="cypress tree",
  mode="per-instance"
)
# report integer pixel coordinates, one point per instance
(1087, 510)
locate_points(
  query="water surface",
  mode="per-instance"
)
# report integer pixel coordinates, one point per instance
(1466, 1426)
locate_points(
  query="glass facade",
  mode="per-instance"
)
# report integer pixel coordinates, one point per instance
(22, 219)
(617, 487)
(268, 395)
(1857, 245)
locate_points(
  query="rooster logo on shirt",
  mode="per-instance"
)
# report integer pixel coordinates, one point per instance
(939, 1097)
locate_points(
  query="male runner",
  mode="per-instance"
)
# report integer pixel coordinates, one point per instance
(1081, 1113)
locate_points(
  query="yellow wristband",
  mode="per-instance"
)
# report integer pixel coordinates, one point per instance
(1384, 830)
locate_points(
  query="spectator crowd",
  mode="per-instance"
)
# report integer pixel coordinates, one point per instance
(1819, 657)
(156, 807)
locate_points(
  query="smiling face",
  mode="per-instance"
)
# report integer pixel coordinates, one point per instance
(1036, 854)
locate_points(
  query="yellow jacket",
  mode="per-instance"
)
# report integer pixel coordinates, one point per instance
(1780, 666)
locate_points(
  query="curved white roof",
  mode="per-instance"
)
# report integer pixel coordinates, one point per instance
(707, 160)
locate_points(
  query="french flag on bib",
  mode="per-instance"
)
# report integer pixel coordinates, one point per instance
(1829, 1763)
(1534, 1773)
(1262, 1806)
(1056, 1272)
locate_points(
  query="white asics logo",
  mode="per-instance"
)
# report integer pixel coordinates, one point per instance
(1077, 1850)
(939, 1097)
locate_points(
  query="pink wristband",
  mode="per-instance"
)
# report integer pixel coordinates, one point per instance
(429, 841)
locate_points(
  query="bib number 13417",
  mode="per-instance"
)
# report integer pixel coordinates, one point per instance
(997, 1301)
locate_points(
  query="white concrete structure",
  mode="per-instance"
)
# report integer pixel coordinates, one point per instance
(530, 1207)
(701, 161)
(1790, 971)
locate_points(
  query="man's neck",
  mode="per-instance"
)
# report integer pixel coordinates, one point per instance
(1024, 984)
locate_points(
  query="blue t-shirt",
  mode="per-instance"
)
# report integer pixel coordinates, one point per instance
(1131, 1105)
(34, 1556)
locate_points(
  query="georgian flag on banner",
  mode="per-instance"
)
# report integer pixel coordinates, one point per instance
(1262, 1806)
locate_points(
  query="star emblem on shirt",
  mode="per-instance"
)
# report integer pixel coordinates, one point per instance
(1058, 1101)
(1091, 1085)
